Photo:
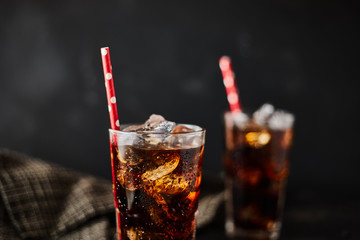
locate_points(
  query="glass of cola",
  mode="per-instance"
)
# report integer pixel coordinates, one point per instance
(156, 170)
(256, 163)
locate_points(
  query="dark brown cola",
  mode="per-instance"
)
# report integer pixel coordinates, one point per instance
(156, 191)
(257, 166)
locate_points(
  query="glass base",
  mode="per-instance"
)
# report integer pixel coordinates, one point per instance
(250, 234)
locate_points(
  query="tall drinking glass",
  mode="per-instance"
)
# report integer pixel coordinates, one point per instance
(156, 182)
(256, 163)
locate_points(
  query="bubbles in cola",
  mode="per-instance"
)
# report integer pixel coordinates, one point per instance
(157, 179)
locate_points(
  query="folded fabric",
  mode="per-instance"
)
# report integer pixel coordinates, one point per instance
(40, 200)
(44, 201)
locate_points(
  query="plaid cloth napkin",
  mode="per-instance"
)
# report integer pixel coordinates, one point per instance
(39, 200)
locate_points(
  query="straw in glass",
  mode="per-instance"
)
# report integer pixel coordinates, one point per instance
(114, 119)
(230, 84)
(110, 91)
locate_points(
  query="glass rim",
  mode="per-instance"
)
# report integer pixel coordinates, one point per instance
(198, 131)
(241, 119)
(249, 112)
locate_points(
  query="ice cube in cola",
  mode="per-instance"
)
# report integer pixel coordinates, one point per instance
(157, 183)
(257, 165)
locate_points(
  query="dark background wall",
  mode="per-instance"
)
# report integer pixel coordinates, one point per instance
(302, 56)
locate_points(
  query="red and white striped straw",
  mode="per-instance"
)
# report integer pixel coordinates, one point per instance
(230, 84)
(110, 91)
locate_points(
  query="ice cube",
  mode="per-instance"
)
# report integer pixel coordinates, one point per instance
(129, 177)
(129, 173)
(158, 124)
(281, 120)
(181, 129)
(153, 120)
(124, 139)
(257, 139)
(169, 184)
(170, 162)
(164, 127)
(151, 134)
(134, 128)
(150, 140)
(240, 119)
(172, 184)
(129, 156)
(263, 113)
(177, 139)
